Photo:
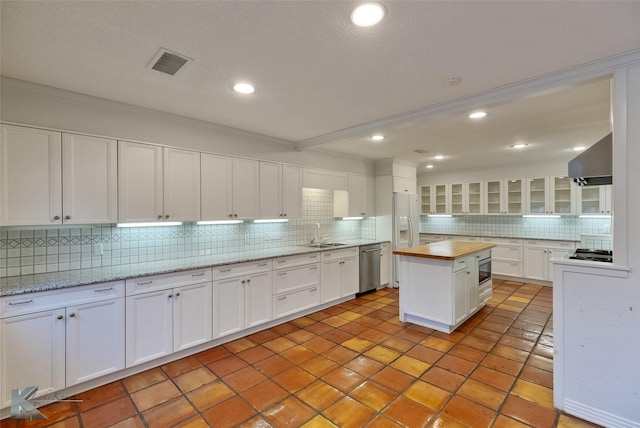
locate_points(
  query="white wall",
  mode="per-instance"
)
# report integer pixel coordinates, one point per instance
(32, 104)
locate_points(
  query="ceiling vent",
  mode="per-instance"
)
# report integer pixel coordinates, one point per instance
(421, 151)
(168, 62)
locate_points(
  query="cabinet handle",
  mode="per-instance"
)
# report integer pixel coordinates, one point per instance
(144, 283)
(461, 261)
(59, 317)
(313, 289)
(159, 216)
(102, 290)
(197, 274)
(282, 298)
(282, 273)
(468, 273)
(225, 270)
(313, 268)
(72, 315)
(281, 261)
(177, 294)
(248, 280)
(20, 303)
(56, 217)
(243, 281)
(315, 256)
(67, 217)
(166, 216)
(262, 264)
(170, 296)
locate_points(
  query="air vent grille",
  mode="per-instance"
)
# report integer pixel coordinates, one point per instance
(421, 151)
(168, 62)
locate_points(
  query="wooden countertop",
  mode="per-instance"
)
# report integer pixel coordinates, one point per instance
(444, 250)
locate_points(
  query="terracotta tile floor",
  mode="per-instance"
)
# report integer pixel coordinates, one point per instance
(351, 365)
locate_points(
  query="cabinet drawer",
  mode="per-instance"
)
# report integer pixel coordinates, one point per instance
(463, 238)
(45, 300)
(340, 254)
(289, 303)
(504, 253)
(294, 278)
(550, 244)
(290, 261)
(504, 241)
(168, 280)
(501, 267)
(241, 269)
(459, 264)
(485, 295)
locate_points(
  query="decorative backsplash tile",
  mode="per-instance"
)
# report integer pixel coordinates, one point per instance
(53, 249)
(565, 227)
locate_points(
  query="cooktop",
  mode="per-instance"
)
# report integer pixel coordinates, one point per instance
(592, 255)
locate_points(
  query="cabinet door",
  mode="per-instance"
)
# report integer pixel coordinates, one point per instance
(216, 187)
(228, 306)
(561, 196)
(140, 190)
(349, 276)
(270, 190)
(441, 203)
(245, 188)
(291, 191)
(473, 198)
(331, 280)
(89, 179)
(537, 196)
(258, 295)
(370, 196)
(385, 259)
(514, 196)
(426, 193)
(457, 199)
(535, 263)
(149, 326)
(594, 199)
(553, 253)
(192, 316)
(494, 197)
(181, 185)
(95, 340)
(30, 176)
(472, 284)
(460, 290)
(355, 187)
(32, 353)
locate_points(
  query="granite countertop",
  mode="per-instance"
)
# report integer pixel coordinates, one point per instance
(500, 236)
(51, 281)
(444, 250)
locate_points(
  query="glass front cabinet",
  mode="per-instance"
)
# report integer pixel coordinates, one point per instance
(434, 199)
(504, 197)
(550, 195)
(466, 198)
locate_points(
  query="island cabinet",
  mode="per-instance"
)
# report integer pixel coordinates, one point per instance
(439, 283)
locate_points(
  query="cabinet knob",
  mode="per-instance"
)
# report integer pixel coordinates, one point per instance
(235, 215)
(243, 281)
(67, 217)
(170, 296)
(177, 294)
(160, 217)
(59, 317)
(56, 217)
(166, 216)
(230, 215)
(72, 315)
(248, 280)
(285, 214)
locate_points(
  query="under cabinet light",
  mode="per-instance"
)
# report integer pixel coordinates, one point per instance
(150, 224)
(594, 216)
(219, 222)
(352, 218)
(439, 215)
(272, 220)
(541, 216)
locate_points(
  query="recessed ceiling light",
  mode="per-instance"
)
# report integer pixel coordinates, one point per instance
(579, 148)
(477, 115)
(377, 137)
(368, 14)
(244, 88)
(429, 166)
(519, 145)
(439, 157)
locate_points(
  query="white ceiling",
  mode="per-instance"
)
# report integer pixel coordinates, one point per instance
(317, 74)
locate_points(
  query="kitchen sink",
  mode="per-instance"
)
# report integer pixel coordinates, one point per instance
(326, 245)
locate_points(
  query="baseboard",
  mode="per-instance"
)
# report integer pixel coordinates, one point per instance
(598, 416)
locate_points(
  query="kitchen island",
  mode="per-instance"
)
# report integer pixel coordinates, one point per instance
(444, 283)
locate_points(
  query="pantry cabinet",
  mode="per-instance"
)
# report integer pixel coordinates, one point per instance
(229, 188)
(157, 184)
(466, 198)
(60, 338)
(280, 191)
(594, 199)
(54, 178)
(434, 199)
(550, 195)
(504, 196)
(167, 313)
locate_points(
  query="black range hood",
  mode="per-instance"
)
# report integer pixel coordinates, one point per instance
(594, 166)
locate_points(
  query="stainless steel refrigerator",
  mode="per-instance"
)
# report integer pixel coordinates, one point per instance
(406, 227)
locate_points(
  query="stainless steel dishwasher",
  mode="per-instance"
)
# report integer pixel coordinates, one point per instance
(369, 267)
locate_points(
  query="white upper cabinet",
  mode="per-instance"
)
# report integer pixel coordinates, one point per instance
(181, 185)
(89, 179)
(594, 199)
(405, 185)
(31, 176)
(466, 198)
(157, 184)
(550, 195)
(370, 196)
(280, 191)
(229, 188)
(351, 203)
(504, 196)
(435, 199)
(54, 178)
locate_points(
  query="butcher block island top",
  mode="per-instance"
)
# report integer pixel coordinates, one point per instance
(444, 250)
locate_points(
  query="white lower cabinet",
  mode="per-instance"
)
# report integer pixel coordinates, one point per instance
(340, 273)
(538, 256)
(385, 263)
(59, 338)
(241, 296)
(167, 313)
(295, 288)
(507, 257)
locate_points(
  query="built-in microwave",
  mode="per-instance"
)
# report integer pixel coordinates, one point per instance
(484, 267)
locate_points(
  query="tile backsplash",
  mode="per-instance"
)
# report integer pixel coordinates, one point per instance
(51, 249)
(564, 228)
